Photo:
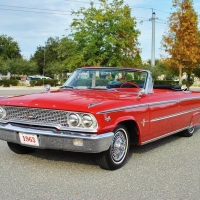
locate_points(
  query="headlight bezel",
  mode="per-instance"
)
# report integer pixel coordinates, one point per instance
(2, 113)
(90, 118)
(78, 119)
(81, 117)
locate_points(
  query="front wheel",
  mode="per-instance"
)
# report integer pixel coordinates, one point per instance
(116, 156)
(19, 149)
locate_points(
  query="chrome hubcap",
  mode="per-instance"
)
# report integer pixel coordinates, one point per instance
(191, 129)
(119, 146)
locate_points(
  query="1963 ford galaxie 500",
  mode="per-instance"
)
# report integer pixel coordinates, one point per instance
(100, 110)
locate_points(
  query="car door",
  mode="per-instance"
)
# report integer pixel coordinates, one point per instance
(164, 109)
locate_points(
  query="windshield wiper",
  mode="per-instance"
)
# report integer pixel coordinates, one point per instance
(93, 88)
(65, 86)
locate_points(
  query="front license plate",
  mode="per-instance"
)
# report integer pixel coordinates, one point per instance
(28, 139)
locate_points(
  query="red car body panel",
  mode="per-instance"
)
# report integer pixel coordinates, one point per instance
(155, 114)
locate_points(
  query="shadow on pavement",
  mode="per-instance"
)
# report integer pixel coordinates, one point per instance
(89, 158)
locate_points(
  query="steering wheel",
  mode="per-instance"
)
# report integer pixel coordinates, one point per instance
(129, 83)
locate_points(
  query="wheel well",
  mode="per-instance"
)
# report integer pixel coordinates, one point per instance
(132, 130)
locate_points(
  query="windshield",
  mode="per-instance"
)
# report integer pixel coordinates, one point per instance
(107, 78)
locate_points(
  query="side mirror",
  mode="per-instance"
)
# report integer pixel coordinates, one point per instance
(47, 88)
(140, 93)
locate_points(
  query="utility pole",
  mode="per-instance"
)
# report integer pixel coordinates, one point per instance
(44, 65)
(44, 61)
(153, 39)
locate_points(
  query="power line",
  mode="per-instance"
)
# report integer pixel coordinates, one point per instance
(34, 11)
(162, 11)
(61, 12)
(141, 19)
(53, 13)
(140, 7)
(34, 8)
(82, 1)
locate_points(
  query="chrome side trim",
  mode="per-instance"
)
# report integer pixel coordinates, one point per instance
(174, 115)
(122, 108)
(147, 104)
(189, 99)
(163, 136)
(136, 106)
(164, 102)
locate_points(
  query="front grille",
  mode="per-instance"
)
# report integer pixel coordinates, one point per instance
(36, 115)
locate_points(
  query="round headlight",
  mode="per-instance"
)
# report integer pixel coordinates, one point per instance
(87, 121)
(2, 113)
(73, 120)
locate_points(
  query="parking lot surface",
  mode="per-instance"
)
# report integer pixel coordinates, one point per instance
(168, 169)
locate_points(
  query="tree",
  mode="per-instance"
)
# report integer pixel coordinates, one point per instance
(46, 55)
(182, 41)
(19, 66)
(105, 36)
(9, 49)
(67, 52)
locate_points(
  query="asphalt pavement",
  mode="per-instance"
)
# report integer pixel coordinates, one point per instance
(168, 169)
(20, 90)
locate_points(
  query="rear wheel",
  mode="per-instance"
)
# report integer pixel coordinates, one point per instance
(116, 156)
(188, 132)
(19, 149)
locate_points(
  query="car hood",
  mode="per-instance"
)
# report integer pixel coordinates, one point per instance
(71, 99)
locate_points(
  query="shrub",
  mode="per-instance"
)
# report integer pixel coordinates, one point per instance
(166, 82)
(188, 83)
(52, 82)
(32, 83)
(15, 78)
(7, 82)
(14, 82)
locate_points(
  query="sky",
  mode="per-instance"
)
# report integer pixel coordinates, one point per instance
(31, 23)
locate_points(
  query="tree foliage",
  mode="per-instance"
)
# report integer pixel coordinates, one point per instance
(105, 36)
(68, 54)
(161, 68)
(18, 66)
(182, 41)
(46, 55)
(9, 49)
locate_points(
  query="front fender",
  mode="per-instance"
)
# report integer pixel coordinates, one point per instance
(124, 118)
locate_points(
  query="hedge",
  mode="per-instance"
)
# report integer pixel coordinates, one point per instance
(40, 82)
(8, 83)
(166, 82)
(171, 82)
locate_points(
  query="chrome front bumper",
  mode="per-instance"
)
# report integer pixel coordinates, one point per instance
(91, 143)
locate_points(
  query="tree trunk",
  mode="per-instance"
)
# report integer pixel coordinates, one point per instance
(180, 75)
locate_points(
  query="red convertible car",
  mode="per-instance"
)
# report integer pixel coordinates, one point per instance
(100, 110)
